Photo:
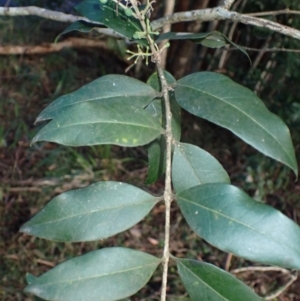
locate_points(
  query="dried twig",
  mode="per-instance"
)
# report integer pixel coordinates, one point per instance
(52, 47)
(293, 277)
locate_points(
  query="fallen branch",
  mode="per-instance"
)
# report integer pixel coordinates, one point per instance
(292, 277)
(52, 47)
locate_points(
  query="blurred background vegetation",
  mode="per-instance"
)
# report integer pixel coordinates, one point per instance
(31, 175)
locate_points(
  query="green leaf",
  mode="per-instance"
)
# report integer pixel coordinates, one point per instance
(206, 282)
(97, 211)
(80, 26)
(157, 159)
(230, 220)
(109, 89)
(98, 123)
(111, 16)
(217, 98)
(30, 279)
(214, 39)
(181, 36)
(156, 149)
(103, 275)
(193, 166)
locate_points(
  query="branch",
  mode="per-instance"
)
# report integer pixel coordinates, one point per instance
(293, 278)
(219, 13)
(53, 15)
(275, 13)
(41, 12)
(266, 49)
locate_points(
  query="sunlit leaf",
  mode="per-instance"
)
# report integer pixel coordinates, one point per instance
(97, 123)
(230, 220)
(108, 89)
(103, 275)
(218, 99)
(97, 211)
(192, 166)
(206, 282)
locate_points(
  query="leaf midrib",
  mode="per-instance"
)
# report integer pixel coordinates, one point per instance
(99, 276)
(93, 211)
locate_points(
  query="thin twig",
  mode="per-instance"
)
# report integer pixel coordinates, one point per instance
(271, 269)
(267, 49)
(156, 58)
(260, 269)
(168, 187)
(282, 289)
(275, 13)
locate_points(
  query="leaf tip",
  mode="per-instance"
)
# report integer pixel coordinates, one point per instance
(30, 278)
(39, 119)
(33, 289)
(25, 229)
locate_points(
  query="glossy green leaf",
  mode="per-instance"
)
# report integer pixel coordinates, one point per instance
(80, 26)
(156, 149)
(214, 39)
(230, 220)
(98, 123)
(181, 36)
(193, 166)
(156, 159)
(97, 211)
(108, 89)
(112, 16)
(217, 98)
(206, 282)
(103, 275)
